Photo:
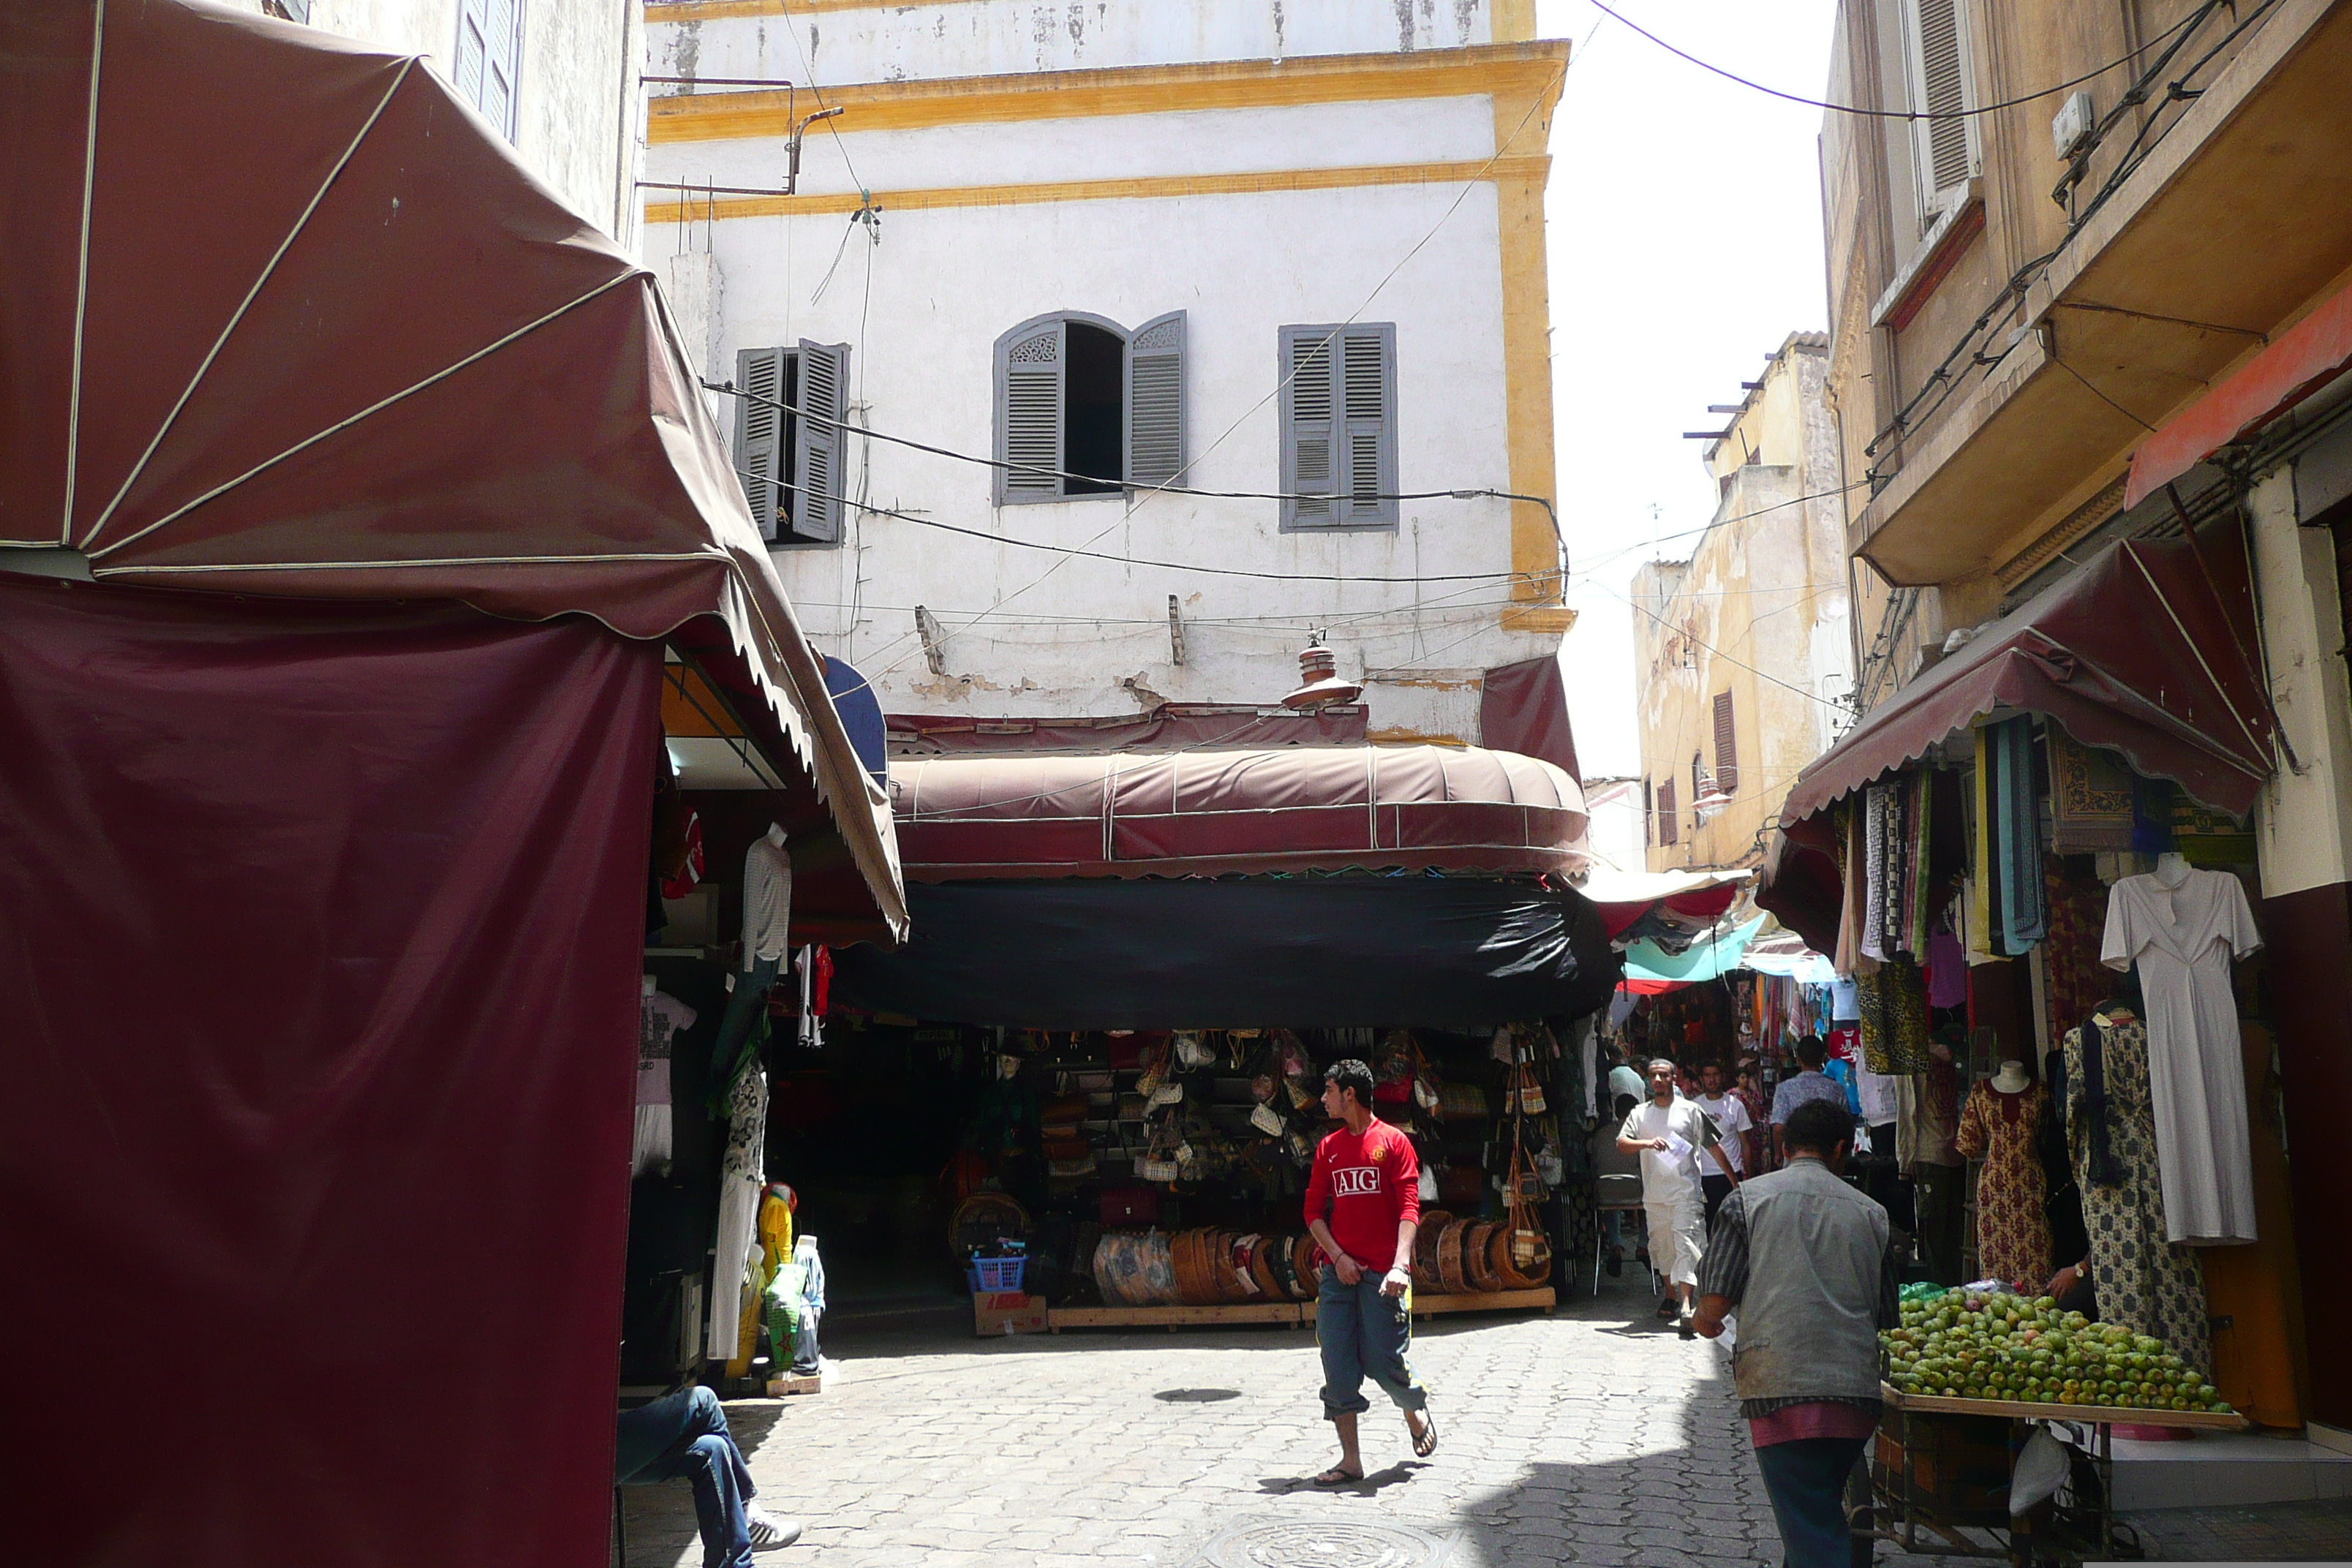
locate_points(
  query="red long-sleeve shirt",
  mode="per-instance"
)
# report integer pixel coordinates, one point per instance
(1362, 1186)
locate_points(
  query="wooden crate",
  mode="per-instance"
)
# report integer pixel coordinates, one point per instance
(1541, 1297)
(1291, 1313)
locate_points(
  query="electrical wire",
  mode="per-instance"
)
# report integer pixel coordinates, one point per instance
(1735, 663)
(1861, 112)
(1139, 490)
(1169, 565)
(818, 92)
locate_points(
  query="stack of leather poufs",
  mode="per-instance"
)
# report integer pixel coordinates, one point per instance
(1455, 1256)
(1203, 1267)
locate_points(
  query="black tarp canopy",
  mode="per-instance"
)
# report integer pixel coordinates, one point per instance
(1357, 952)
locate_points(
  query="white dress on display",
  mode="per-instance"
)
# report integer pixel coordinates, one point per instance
(2182, 927)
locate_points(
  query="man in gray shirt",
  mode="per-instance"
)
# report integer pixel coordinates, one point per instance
(1803, 1258)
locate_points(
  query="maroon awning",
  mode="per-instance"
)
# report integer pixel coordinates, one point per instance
(2148, 649)
(286, 317)
(1168, 726)
(1222, 812)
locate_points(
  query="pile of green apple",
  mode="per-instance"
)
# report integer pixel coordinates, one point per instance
(1998, 1346)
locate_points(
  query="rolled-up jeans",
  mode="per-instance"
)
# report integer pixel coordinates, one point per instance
(685, 1434)
(1363, 1333)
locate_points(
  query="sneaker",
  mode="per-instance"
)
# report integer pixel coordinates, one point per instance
(768, 1531)
(1683, 1327)
(1616, 1263)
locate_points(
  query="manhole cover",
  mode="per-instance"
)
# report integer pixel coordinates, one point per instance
(1308, 1544)
(1197, 1396)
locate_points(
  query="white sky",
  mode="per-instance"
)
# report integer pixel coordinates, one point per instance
(1685, 238)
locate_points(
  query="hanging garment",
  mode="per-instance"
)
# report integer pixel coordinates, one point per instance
(1919, 821)
(2074, 981)
(1947, 971)
(1983, 875)
(767, 899)
(2017, 816)
(736, 1254)
(1847, 815)
(2182, 935)
(1873, 943)
(659, 1018)
(2012, 1228)
(1895, 1018)
(2090, 796)
(2143, 1283)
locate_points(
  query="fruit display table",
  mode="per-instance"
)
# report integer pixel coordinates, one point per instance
(1944, 1465)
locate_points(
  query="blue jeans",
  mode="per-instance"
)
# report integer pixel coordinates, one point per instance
(1361, 1334)
(1806, 1479)
(685, 1434)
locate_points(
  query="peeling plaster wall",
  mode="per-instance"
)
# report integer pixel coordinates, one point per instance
(995, 38)
(1759, 611)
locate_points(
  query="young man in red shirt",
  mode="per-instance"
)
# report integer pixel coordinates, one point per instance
(1363, 1205)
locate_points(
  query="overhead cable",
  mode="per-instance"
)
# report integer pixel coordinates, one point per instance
(1861, 112)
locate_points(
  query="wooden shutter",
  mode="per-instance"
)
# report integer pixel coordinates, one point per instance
(818, 470)
(1029, 412)
(1649, 816)
(1311, 397)
(1155, 402)
(1943, 149)
(1669, 829)
(758, 431)
(473, 48)
(1368, 383)
(1726, 746)
(501, 63)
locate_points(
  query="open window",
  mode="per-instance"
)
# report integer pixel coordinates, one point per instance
(788, 439)
(1086, 407)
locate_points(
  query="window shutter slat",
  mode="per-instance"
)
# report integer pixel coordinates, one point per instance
(1311, 397)
(1367, 373)
(817, 458)
(1029, 415)
(1944, 147)
(1155, 402)
(473, 48)
(1670, 827)
(758, 431)
(1726, 746)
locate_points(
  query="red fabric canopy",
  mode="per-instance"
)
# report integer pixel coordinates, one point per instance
(2149, 649)
(320, 934)
(1523, 707)
(2309, 355)
(298, 323)
(1220, 813)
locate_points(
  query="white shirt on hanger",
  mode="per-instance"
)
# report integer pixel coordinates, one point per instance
(2182, 927)
(766, 899)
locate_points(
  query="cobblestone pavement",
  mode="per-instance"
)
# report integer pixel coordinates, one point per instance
(1594, 1435)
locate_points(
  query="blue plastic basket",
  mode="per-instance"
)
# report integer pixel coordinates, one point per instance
(992, 1276)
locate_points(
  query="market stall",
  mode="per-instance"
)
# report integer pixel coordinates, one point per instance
(345, 562)
(1129, 971)
(1997, 1437)
(2037, 864)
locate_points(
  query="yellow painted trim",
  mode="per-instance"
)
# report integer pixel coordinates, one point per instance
(1517, 70)
(1156, 187)
(1522, 128)
(1555, 619)
(1511, 21)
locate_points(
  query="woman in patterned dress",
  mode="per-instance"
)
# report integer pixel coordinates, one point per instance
(2013, 1228)
(2144, 1283)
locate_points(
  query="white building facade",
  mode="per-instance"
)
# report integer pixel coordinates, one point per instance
(1137, 252)
(559, 78)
